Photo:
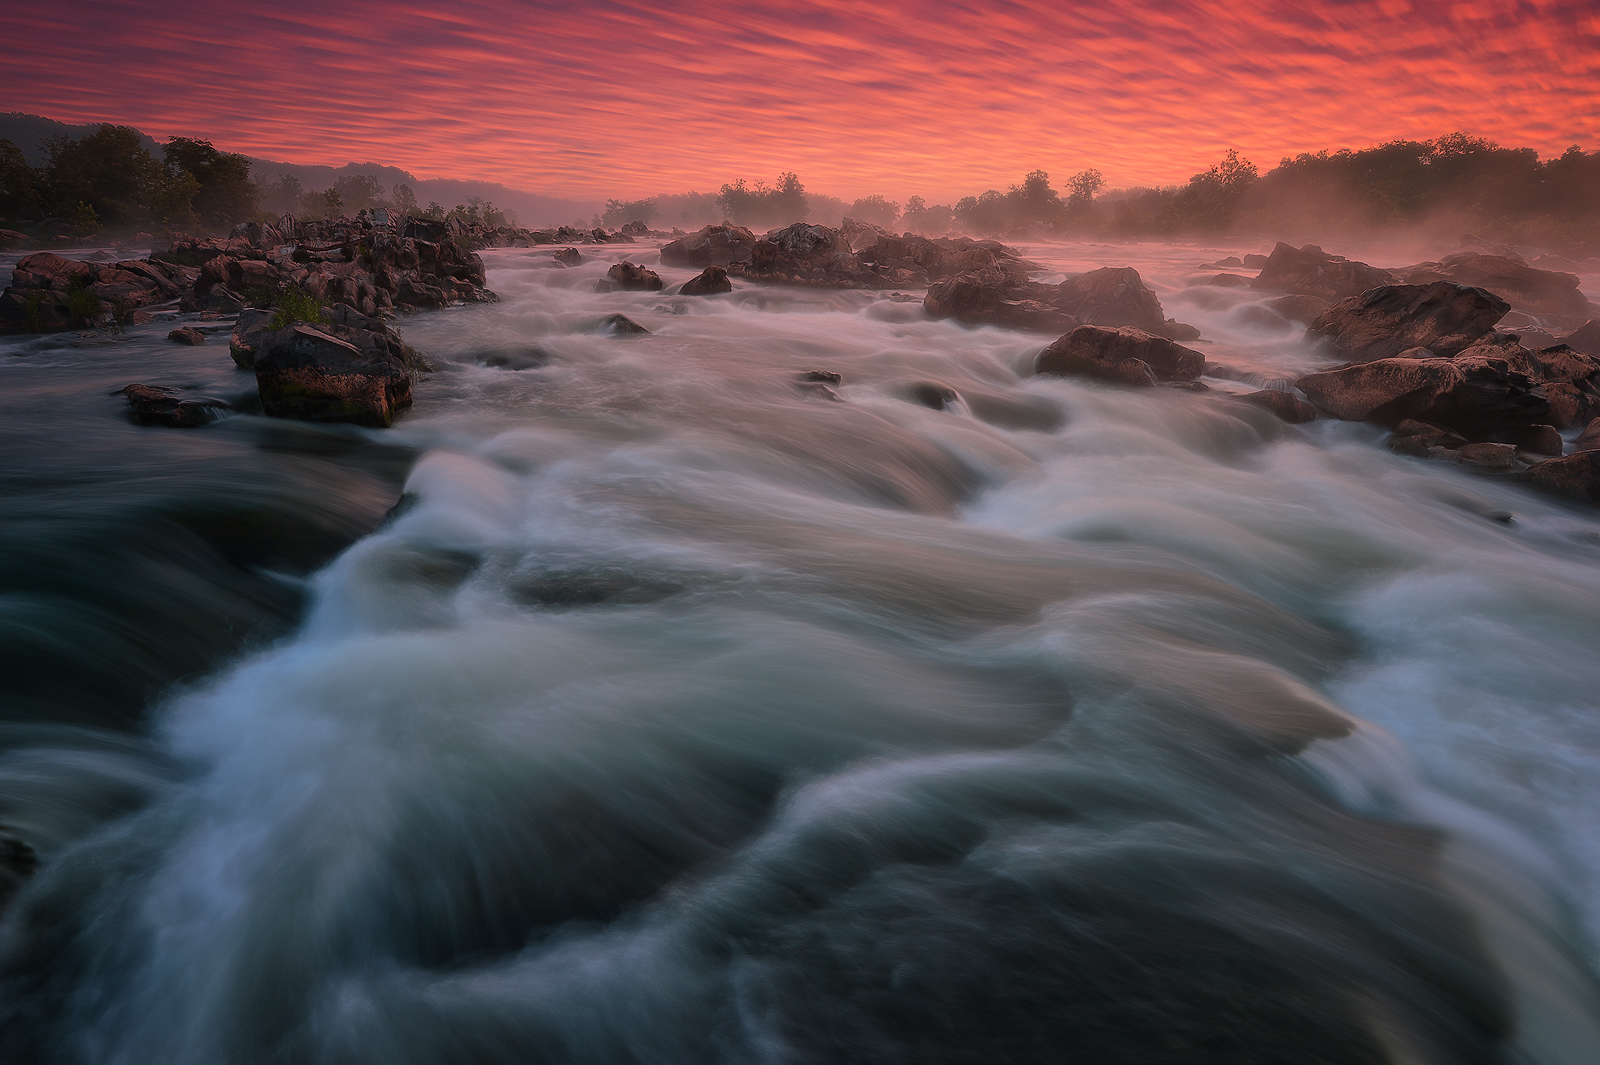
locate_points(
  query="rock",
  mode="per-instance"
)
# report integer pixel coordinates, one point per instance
(1585, 338)
(988, 296)
(621, 325)
(568, 257)
(1300, 308)
(631, 277)
(1536, 440)
(1572, 381)
(1285, 405)
(711, 246)
(709, 282)
(192, 337)
(1548, 294)
(1173, 329)
(1385, 321)
(1232, 260)
(1577, 475)
(164, 406)
(826, 377)
(344, 373)
(253, 324)
(1589, 439)
(1472, 396)
(1228, 281)
(1123, 356)
(1412, 437)
(529, 358)
(1310, 271)
(48, 292)
(1253, 262)
(1488, 456)
(932, 394)
(1111, 296)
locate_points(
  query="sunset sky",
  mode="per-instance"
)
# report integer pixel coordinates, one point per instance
(937, 99)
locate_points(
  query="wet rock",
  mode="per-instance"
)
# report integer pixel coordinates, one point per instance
(932, 394)
(1488, 456)
(826, 377)
(344, 373)
(1122, 356)
(1589, 439)
(1285, 405)
(711, 246)
(568, 256)
(1576, 476)
(631, 277)
(1472, 396)
(1254, 261)
(253, 324)
(991, 297)
(1310, 271)
(1572, 381)
(1385, 321)
(528, 358)
(1550, 295)
(1300, 308)
(1585, 338)
(709, 282)
(1228, 281)
(153, 405)
(49, 293)
(191, 337)
(1412, 437)
(621, 325)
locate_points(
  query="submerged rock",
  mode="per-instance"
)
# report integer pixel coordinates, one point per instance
(153, 405)
(191, 337)
(1285, 405)
(1383, 322)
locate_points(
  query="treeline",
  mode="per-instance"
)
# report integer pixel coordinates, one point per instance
(108, 180)
(1456, 182)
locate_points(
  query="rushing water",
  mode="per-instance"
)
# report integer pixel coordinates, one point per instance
(677, 712)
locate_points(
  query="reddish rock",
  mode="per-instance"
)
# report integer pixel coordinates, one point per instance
(631, 277)
(192, 337)
(1311, 271)
(1472, 396)
(1488, 456)
(1585, 338)
(1123, 356)
(1576, 476)
(1302, 309)
(333, 373)
(1285, 405)
(1548, 294)
(1383, 322)
(568, 256)
(1111, 296)
(709, 282)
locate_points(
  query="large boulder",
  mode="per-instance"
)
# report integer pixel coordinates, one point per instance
(1122, 356)
(1310, 271)
(711, 246)
(1585, 338)
(989, 296)
(1576, 476)
(1548, 295)
(1382, 322)
(1473, 395)
(355, 371)
(1113, 296)
(1572, 381)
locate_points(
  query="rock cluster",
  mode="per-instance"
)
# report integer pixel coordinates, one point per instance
(370, 263)
(48, 293)
(1384, 321)
(1549, 297)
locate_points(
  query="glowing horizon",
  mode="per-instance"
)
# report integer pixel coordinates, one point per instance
(622, 99)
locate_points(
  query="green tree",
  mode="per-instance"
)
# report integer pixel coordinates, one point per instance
(283, 196)
(357, 191)
(20, 193)
(876, 210)
(109, 169)
(405, 200)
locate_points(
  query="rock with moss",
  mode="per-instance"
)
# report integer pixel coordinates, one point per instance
(348, 369)
(49, 293)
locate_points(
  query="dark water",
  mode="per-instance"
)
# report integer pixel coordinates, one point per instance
(678, 713)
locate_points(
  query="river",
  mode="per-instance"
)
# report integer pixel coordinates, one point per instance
(631, 700)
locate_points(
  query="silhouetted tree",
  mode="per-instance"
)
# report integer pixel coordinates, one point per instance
(225, 193)
(109, 169)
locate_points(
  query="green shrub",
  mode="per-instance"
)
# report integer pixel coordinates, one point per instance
(296, 305)
(33, 308)
(83, 303)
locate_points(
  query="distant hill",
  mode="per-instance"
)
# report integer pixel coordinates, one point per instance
(29, 133)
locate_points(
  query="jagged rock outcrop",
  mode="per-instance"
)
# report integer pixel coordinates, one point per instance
(1114, 296)
(351, 369)
(1475, 395)
(1549, 296)
(1122, 356)
(49, 293)
(1382, 322)
(1310, 271)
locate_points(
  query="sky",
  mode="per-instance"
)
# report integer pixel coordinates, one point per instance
(938, 99)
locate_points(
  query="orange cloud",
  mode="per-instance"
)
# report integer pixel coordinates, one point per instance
(938, 99)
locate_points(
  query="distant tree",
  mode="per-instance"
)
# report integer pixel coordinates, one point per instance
(621, 212)
(225, 192)
(778, 204)
(1083, 187)
(1034, 200)
(405, 200)
(357, 191)
(282, 196)
(876, 210)
(84, 221)
(434, 211)
(987, 213)
(332, 202)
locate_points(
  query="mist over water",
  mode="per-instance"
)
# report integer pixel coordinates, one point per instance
(677, 712)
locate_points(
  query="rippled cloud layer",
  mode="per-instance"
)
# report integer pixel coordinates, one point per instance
(623, 97)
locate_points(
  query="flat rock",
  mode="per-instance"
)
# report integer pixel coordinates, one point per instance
(153, 405)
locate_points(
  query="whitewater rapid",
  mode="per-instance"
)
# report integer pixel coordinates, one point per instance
(678, 712)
